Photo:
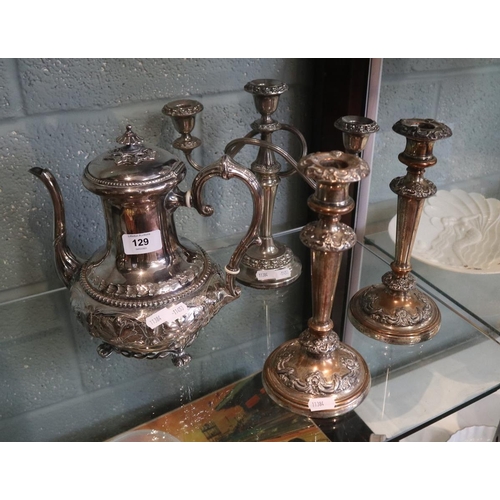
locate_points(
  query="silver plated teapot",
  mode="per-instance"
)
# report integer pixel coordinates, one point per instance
(148, 292)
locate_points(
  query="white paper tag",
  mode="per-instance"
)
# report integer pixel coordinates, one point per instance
(318, 404)
(272, 274)
(166, 314)
(134, 244)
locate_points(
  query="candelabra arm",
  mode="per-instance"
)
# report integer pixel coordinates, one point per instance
(237, 148)
(269, 145)
(227, 168)
(234, 150)
(189, 159)
(293, 130)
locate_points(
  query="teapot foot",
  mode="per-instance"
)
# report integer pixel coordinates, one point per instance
(178, 358)
(181, 359)
(105, 350)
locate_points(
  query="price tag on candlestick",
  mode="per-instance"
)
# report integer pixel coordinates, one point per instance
(319, 404)
(135, 244)
(273, 274)
(166, 314)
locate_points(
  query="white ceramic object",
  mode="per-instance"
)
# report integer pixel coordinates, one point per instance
(476, 433)
(459, 232)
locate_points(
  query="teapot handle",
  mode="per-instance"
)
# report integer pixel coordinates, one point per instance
(227, 168)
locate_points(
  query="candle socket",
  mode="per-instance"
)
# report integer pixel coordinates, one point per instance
(183, 113)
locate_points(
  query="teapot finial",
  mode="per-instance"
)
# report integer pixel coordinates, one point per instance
(129, 138)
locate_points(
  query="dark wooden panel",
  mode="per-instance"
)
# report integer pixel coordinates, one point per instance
(340, 88)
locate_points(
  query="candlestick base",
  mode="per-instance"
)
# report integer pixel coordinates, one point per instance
(395, 311)
(269, 266)
(307, 374)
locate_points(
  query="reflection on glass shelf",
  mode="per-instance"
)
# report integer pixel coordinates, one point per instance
(477, 294)
(56, 387)
(415, 385)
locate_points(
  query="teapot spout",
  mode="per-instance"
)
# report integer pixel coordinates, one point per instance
(67, 263)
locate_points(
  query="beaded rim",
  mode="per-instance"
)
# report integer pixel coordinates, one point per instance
(423, 129)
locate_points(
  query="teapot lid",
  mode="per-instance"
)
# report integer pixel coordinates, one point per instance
(133, 166)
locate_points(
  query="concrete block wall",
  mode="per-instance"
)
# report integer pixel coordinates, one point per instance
(60, 114)
(463, 93)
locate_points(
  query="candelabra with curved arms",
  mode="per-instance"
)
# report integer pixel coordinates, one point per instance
(267, 264)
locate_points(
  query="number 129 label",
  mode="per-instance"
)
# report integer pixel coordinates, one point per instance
(135, 244)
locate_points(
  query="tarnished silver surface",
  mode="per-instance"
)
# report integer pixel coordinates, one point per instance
(419, 188)
(402, 317)
(356, 125)
(135, 153)
(319, 383)
(337, 239)
(395, 311)
(266, 87)
(183, 113)
(268, 263)
(281, 266)
(344, 167)
(355, 132)
(422, 129)
(121, 288)
(317, 375)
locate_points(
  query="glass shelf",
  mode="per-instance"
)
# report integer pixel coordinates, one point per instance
(475, 294)
(56, 387)
(413, 386)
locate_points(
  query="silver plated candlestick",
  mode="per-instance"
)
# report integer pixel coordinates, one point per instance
(267, 264)
(316, 374)
(395, 311)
